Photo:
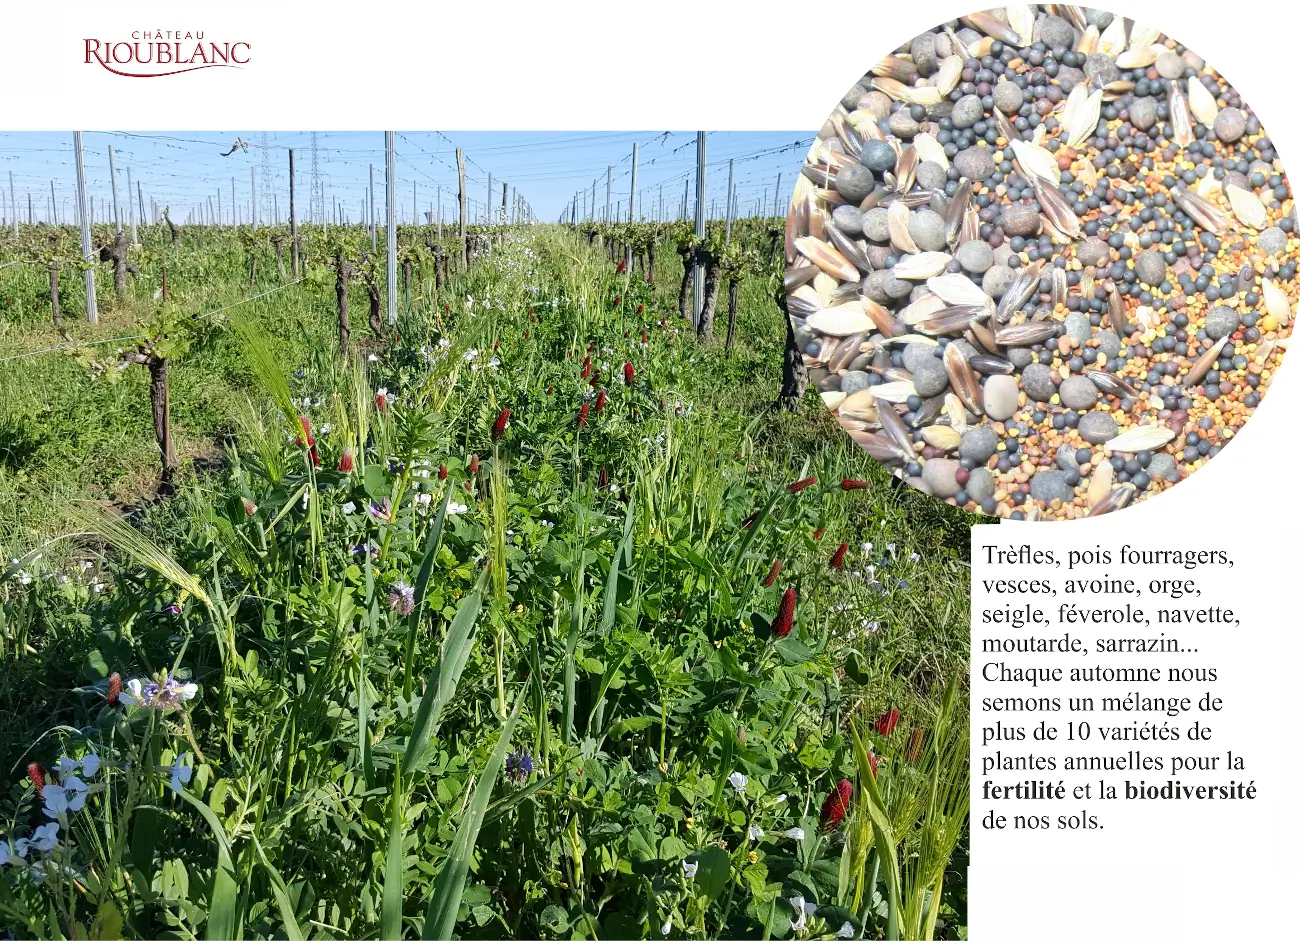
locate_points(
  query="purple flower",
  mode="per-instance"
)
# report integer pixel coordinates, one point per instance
(519, 766)
(172, 609)
(364, 548)
(401, 599)
(149, 694)
(383, 510)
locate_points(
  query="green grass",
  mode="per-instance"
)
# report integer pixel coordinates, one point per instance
(598, 604)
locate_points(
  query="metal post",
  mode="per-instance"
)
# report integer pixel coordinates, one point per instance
(488, 205)
(92, 310)
(505, 193)
(776, 199)
(701, 164)
(439, 212)
(415, 209)
(731, 195)
(374, 238)
(112, 175)
(609, 176)
(460, 171)
(293, 221)
(131, 206)
(631, 196)
(54, 206)
(252, 189)
(390, 171)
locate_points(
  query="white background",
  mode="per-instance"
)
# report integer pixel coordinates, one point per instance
(743, 66)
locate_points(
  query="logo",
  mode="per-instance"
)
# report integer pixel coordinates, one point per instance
(155, 53)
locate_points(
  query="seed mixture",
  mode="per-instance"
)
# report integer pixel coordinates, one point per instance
(1041, 262)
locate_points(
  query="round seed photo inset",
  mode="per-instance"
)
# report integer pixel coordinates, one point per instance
(1041, 262)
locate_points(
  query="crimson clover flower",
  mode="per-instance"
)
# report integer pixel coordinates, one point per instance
(784, 620)
(836, 805)
(499, 426)
(886, 724)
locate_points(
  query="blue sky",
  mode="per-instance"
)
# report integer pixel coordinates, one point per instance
(183, 169)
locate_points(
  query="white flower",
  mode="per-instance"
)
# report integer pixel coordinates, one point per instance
(66, 765)
(422, 502)
(795, 833)
(804, 909)
(5, 853)
(756, 832)
(444, 343)
(69, 796)
(913, 558)
(306, 497)
(890, 547)
(689, 869)
(90, 765)
(456, 509)
(470, 355)
(846, 930)
(667, 927)
(738, 781)
(349, 508)
(45, 837)
(326, 428)
(780, 798)
(373, 358)
(180, 773)
(135, 696)
(872, 626)
(866, 548)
